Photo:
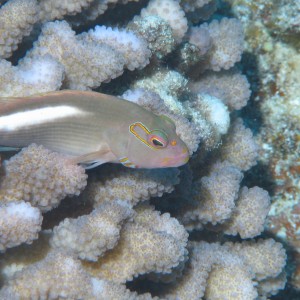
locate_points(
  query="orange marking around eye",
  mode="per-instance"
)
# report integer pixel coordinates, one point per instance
(173, 143)
(143, 127)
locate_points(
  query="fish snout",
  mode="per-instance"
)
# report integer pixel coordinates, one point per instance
(177, 160)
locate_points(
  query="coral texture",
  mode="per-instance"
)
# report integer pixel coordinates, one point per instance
(88, 237)
(31, 76)
(170, 11)
(41, 177)
(19, 223)
(16, 21)
(189, 233)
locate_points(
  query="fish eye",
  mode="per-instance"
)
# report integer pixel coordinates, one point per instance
(158, 139)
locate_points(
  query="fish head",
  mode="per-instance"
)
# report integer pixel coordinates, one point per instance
(155, 146)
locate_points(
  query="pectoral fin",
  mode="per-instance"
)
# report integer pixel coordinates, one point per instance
(94, 159)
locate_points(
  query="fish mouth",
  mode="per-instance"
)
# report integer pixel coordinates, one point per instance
(176, 161)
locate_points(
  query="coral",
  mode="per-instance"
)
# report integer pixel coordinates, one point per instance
(200, 37)
(191, 5)
(156, 31)
(239, 146)
(229, 86)
(169, 85)
(212, 113)
(199, 10)
(132, 186)
(215, 195)
(133, 48)
(58, 40)
(226, 272)
(147, 99)
(126, 235)
(250, 213)
(215, 112)
(43, 280)
(188, 131)
(170, 11)
(95, 9)
(16, 21)
(19, 223)
(40, 177)
(31, 76)
(89, 236)
(108, 290)
(225, 55)
(152, 243)
(260, 255)
(224, 35)
(56, 9)
(285, 18)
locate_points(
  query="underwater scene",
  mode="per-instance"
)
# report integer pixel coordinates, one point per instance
(150, 149)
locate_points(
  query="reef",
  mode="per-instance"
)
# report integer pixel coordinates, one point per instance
(194, 232)
(272, 35)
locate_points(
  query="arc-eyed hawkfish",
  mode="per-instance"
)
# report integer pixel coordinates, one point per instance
(92, 129)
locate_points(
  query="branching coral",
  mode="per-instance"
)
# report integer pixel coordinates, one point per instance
(170, 11)
(133, 48)
(31, 76)
(16, 21)
(88, 237)
(169, 85)
(58, 40)
(56, 9)
(45, 280)
(226, 272)
(229, 86)
(19, 223)
(156, 31)
(240, 147)
(132, 186)
(215, 194)
(248, 218)
(40, 177)
(152, 243)
(111, 237)
(225, 55)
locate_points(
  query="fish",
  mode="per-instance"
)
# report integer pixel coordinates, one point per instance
(91, 129)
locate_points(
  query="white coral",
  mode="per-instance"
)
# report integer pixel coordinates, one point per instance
(252, 208)
(88, 237)
(152, 243)
(132, 186)
(16, 21)
(31, 76)
(57, 9)
(133, 48)
(19, 223)
(227, 43)
(87, 64)
(41, 177)
(170, 11)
